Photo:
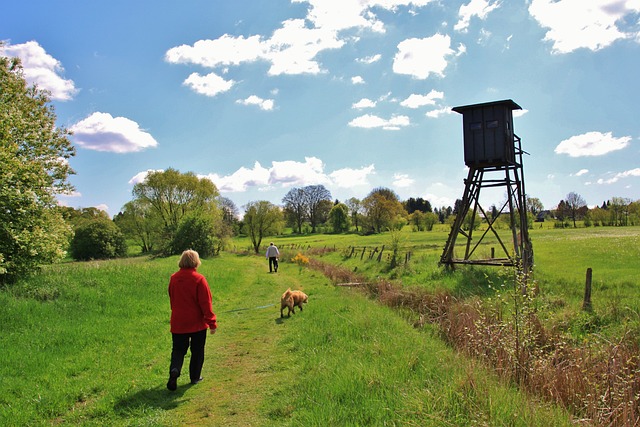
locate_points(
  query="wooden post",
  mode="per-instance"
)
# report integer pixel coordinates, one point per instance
(586, 303)
(493, 253)
(363, 251)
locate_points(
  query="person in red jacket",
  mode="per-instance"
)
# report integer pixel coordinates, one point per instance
(191, 316)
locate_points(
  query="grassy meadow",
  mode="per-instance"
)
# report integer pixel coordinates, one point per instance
(89, 343)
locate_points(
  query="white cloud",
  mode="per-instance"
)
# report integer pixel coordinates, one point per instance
(242, 179)
(293, 48)
(357, 80)
(103, 132)
(339, 15)
(626, 174)
(263, 104)
(288, 173)
(593, 24)
(520, 113)
(349, 178)
(141, 176)
(291, 173)
(364, 103)
(479, 8)
(592, 144)
(582, 172)
(369, 121)
(210, 85)
(224, 51)
(370, 59)
(41, 69)
(421, 57)
(434, 114)
(402, 180)
(416, 101)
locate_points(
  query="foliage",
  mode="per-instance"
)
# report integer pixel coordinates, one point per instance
(171, 195)
(98, 239)
(311, 203)
(576, 206)
(383, 210)
(138, 220)
(295, 208)
(198, 232)
(339, 218)
(230, 215)
(471, 221)
(355, 209)
(34, 155)
(412, 205)
(319, 204)
(261, 219)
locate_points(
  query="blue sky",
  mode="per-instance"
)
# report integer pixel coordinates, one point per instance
(264, 96)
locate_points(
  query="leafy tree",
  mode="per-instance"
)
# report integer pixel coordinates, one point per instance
(322, 211)
(383, 210)
(296, 208)
(76, 216)
(574, 205)
(316, 197)
(339, 218)
(619, 210)
(198, 232)
(430, 219)
(561, 212)
(355, 209)
(230, 214)
(98, 239)
(418, 204)
(416, 219)
(34, 168)
(261, 219)
(139, 221)
(172, 195)
(534, 205)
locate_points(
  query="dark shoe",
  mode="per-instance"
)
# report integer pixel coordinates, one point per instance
(196, 381)
(172, 384)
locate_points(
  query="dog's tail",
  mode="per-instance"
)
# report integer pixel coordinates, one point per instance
(287, 294)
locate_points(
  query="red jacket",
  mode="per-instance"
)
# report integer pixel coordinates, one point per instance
(190, 298)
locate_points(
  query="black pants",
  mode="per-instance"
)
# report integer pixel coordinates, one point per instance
(273, 263)
(181, 343)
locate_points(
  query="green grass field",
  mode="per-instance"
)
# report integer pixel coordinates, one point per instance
(89, 343)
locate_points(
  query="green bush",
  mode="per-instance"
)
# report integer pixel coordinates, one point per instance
(197, 232)
(98, 239)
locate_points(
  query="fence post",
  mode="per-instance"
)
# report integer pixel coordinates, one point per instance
(586, 303)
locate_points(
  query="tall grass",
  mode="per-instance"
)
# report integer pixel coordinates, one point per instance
(599, 380)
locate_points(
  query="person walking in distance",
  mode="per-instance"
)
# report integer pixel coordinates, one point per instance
(191, 316)
(272, 255)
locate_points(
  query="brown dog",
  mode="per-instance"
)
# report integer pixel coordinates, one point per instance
(290, 299)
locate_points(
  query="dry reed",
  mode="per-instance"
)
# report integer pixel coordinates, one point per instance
(599, 382)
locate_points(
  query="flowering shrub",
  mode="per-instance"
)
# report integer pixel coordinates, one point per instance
(300, 260)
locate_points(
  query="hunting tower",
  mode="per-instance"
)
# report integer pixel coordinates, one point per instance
(493, 154)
